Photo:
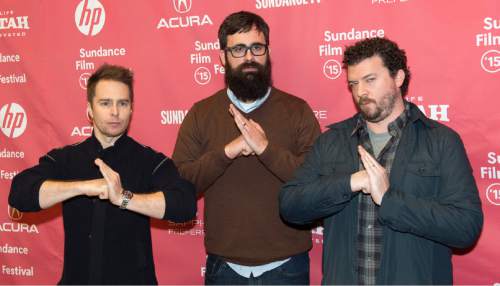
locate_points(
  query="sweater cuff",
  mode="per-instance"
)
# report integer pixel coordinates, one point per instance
(270, 151)
(220, 158)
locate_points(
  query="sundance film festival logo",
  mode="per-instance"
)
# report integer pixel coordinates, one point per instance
(182, 6)
(90, 17)
(13, 120)
(14, 213)
(332, 69)
(490, 61)
(84, 77)
(493, 194)
(202, 75)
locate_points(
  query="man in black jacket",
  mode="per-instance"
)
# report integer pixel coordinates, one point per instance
(395, 189)
(109, 186)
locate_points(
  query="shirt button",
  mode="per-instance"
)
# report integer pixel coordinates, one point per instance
(370, 226)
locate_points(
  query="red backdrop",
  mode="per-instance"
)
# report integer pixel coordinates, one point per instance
(49, 48)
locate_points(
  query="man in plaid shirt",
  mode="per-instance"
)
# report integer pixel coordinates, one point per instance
(394, 188)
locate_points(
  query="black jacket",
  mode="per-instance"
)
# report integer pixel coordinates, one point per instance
(104, 244)
(432, 204)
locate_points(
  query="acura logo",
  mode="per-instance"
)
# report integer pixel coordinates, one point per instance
(182, 6)
(14, 213)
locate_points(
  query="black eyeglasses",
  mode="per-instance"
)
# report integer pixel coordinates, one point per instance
(240, 51)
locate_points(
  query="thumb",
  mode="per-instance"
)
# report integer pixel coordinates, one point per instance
(98, 162)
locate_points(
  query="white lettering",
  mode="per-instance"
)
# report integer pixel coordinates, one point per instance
(206, 46)
(184, 22)
(5, 175)
(101, 52)
(491, 173)
(7, 249)
(84, 131)
(9, 58)
(17, 271)
(18, 227)
(172, 117)
(11, 154)
(20, 22)
(267, 4)
(13, 79)
(353, 34)
(490, 23)
(493, 158)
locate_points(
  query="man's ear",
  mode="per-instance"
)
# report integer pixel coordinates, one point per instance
(90, 115)
(400, 78)
(222, 57)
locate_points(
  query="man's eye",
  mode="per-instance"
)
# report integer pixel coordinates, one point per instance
(238, 49)
(257, 48)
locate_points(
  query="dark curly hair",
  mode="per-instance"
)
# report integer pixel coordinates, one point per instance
(241, 22)
(392, 56)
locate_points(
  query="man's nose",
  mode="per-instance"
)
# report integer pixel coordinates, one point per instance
(248, 56)
(114, 109)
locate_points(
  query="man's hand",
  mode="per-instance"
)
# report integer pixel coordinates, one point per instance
(97, 187)
(252, 132)
(378, 179)
(237, 147)
(113, 182)
(360, 181)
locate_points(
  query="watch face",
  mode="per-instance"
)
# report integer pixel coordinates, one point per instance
(127, 194)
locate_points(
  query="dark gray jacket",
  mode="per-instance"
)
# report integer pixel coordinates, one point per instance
(432, 204)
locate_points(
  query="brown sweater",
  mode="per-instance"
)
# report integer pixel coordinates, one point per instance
(242, 220)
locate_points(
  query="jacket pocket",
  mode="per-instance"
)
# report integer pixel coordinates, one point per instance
(422, 179)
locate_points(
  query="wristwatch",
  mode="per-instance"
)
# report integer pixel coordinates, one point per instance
(126, 197)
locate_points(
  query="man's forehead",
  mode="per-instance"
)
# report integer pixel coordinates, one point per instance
(367, 66)
(252, 35)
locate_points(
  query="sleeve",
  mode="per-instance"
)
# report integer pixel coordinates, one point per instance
(26, 185)
(196, 165)
(313, 195)
(180, 194)
(283, 162)
(453, 218)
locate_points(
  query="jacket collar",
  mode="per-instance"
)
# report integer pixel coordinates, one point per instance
(414, 115)
(94, 144)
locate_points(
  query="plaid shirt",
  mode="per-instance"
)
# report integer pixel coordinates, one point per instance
(369, 229)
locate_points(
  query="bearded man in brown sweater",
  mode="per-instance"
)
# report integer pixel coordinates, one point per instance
(239, 146)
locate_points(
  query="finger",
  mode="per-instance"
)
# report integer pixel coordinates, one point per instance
(366, 164)
(256, 125)
(105, 170)
(369, 167)
(103, 195)
(371, 162)
(238, 116)
(231, 108)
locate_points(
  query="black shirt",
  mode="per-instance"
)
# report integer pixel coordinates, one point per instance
(104, 244)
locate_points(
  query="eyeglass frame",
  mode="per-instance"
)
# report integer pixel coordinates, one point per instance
(247, 48)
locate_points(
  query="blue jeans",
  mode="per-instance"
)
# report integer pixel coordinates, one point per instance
(293, 272)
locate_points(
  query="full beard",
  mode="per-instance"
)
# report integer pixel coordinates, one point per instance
(381, 110)
(249, 86)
